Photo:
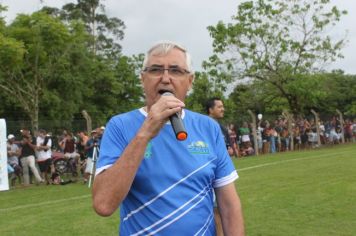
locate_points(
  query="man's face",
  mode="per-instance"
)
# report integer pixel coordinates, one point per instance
(217, 112)
(178, 85)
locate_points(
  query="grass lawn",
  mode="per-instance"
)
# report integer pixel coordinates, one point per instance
(300, 193)
(296, 193)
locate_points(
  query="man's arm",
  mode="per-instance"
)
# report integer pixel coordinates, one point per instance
(230, 210)
(112, 185)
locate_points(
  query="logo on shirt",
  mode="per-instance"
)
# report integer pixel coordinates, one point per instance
(198, 147)
(148, 151)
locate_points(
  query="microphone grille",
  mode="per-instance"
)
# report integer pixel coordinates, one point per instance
(166, 93)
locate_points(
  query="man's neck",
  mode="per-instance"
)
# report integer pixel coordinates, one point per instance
(214, 118)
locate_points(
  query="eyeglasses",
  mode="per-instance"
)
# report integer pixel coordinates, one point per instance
(174, 71)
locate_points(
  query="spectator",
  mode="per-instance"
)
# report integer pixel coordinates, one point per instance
(284, 136)
(266, 137)
(296, 137)
(259, 132)
(91, 146)
(44, 155)
(233, 140)
(27, 158)
(304, 138)
(334, 136)
(244, 132)
(215, 109)
(13, 154)
(322, 132)
(68, 146)
(82, 142)
(312, 138)
(348, 130)
(57, 180)
(273, 139)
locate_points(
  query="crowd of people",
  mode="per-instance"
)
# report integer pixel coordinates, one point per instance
(275, 136)
(31, 158)
(43, 158)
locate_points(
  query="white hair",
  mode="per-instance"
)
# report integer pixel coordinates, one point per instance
(162, 48)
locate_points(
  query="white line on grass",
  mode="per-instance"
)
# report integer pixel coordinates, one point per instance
(88, 195)
(284, 161)
(42, 203)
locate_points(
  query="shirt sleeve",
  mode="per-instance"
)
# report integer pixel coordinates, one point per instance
(225, 172)
(112, 145)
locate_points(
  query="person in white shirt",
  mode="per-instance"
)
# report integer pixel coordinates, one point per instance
(44, 154)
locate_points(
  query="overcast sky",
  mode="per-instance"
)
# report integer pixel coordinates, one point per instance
(184, 21)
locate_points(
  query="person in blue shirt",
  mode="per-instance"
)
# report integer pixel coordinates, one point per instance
(164, 186)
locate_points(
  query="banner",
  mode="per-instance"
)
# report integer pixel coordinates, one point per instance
(4, 180)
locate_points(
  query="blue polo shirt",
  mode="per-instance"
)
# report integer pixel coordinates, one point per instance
(172, 192)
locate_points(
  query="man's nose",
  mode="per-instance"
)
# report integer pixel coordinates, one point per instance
(166, 77)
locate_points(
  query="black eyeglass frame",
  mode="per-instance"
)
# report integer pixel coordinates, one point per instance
(161, 69)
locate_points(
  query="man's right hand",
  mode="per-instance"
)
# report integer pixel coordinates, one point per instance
(159, 114)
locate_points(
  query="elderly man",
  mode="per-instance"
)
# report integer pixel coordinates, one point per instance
(165, 186)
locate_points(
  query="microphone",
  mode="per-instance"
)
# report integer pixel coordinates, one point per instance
(177, 123)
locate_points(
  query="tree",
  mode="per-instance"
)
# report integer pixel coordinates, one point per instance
(203, 88)
(130, 94)
(340, 92)
(105, 31)
(114, 89)
(42, 53)
(2, 21)
(278, 43)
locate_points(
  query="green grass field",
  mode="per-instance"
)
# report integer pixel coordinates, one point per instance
(296, 193)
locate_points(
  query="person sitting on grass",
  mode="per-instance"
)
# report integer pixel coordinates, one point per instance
(57, 180)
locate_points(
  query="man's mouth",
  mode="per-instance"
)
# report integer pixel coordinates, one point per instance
(162, 91)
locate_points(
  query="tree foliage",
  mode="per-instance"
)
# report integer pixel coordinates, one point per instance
(48, 70)
(322, 92)
(40, 51)
(203, 88)
(277, 42)
(105, 31)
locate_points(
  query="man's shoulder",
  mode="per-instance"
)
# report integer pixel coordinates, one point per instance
(196, 118)
(126, 115)
(89, 142)
(195, 115)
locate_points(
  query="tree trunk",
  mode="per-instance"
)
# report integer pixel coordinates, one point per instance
(290, 120)
(294, 106)
(342, 125)
(317, 121)
(88, 121)
(254, 134)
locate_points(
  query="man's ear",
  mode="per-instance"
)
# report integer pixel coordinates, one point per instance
(142, 78)
(210, 110)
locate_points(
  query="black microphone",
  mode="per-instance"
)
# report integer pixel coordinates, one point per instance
(177, 123)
